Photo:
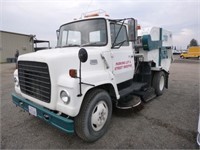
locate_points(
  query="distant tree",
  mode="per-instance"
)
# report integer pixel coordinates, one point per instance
(193, 42)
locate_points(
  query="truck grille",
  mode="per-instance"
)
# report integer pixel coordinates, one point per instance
(34, 80)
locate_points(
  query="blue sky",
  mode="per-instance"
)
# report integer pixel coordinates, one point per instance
(43, 17)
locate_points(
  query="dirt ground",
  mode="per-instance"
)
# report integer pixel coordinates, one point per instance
(167, 122)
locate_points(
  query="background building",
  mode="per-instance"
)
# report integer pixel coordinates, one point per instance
(10, 42)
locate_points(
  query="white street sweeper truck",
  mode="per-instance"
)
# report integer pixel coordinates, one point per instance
(99, 63)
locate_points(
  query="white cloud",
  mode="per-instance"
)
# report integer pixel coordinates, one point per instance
(183, 38)
(43, 17)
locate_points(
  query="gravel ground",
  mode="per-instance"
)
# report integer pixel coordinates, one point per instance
(167, 122)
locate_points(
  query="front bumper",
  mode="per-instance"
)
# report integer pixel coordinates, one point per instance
(65, 124)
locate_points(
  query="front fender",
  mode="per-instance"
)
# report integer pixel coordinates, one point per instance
(99, 78)
(71, 85)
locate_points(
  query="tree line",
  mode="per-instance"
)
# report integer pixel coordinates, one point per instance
(193, 42)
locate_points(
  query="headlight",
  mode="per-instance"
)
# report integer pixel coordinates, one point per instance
(64, 95)
(16, 81)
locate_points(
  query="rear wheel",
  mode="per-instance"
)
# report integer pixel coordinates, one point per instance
(182, 56)
(94, 117)
(159, 82)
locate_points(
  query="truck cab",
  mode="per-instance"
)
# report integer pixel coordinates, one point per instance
(98, 64)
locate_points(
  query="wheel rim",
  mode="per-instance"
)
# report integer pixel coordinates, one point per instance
(99, 116)
(162, 83)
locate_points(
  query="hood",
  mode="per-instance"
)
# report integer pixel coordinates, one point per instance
(62, 59)
(50, 55)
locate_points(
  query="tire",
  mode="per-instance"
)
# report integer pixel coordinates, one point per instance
(159, 82)
(182, 57)
(95, 115)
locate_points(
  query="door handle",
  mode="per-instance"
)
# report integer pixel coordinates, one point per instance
(131, 56)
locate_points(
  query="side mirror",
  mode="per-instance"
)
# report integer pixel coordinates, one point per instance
(83, 55)
(132, 29)
(57, 33)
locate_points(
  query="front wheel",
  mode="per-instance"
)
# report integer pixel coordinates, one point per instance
(159, 82)
(94, 117)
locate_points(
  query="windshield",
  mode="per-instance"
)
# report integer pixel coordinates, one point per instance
(83, 33)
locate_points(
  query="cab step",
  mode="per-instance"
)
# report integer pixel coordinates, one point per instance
(135, 86)
(129, 102)
(147, 95)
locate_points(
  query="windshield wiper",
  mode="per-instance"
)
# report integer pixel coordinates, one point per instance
(86, 44)
(119, 44)
(91, 44)
(71, 45)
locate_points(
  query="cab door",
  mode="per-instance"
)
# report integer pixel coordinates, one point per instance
(121, 54)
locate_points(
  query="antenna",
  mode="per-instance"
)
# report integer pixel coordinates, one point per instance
(89, 4)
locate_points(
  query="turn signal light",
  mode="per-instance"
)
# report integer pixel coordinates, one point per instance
(138, 27)
(73, 73)
(92, 15)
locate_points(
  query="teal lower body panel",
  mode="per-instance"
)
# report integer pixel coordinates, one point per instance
(65, 124)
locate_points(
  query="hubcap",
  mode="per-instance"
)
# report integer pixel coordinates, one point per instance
(162, 83)
(99, 116)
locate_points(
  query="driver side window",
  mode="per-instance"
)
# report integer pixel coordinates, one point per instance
(114, 28)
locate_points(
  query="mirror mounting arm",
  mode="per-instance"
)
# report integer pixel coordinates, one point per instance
(83, 56)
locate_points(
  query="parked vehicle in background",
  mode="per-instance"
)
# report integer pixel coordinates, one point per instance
(193, 52)
(176, 52)
(43, 45)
